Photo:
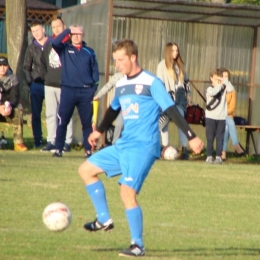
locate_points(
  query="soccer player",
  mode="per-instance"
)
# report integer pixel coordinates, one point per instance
(140, 95)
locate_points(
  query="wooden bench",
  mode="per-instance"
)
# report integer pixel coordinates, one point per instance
(249, 134)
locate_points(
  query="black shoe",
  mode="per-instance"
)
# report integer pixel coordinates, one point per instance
(240, 154)
(38, 145)
(133, 250)
(88, 154)
(49, 148)
(184, 154)
(96, 226)
(66, 148)
(57, 154)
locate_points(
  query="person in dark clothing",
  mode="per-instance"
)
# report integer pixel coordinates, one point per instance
(31, 67)
(79, 82)
(9, 104)
(51, 73)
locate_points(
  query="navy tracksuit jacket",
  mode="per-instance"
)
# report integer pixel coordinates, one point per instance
(79, 82)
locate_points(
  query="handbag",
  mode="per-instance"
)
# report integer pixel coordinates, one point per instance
(195, 115)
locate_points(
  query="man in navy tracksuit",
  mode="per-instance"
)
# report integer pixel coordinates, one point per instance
(79, 82)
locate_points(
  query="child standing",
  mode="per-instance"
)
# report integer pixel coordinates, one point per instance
(216, 113)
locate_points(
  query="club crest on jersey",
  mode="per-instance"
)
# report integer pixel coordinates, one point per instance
(139, 89)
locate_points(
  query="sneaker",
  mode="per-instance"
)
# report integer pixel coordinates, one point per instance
(57, 154)
(20, 148)
(133, 250)
(66, 148)
(96, 226)
(209, 159)
(49, 148)
(218, 160)
(184, 154)
(88, 154)
(38, 144)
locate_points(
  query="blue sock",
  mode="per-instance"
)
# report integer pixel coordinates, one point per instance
(135, 222)
(97, 193)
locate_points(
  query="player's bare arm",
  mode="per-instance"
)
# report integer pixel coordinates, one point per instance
(196, 145)
(93, 138)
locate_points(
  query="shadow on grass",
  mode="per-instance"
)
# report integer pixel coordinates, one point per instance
(196, 252)
(6, 180)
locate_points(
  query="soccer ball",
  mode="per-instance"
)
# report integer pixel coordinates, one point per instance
(56, 216)
(169, 153)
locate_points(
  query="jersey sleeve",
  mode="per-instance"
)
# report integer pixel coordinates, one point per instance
(160, 95)
(115, 104)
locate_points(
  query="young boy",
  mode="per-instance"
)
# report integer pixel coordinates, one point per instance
(216, 113)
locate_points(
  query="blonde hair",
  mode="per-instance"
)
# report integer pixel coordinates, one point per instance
(171, 63)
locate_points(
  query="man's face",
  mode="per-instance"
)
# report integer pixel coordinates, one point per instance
(123, 62)
(57, 27)
(38, 32)
(3, 70)
(76, 36)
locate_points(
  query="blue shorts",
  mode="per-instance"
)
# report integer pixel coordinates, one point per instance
(134, 164)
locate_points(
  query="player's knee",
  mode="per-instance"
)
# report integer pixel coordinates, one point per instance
(128, 196)
(88, 172)
(84, 171)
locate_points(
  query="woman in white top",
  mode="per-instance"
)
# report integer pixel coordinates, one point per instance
(172, 72)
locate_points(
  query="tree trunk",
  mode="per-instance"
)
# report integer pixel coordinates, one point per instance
(17, 42)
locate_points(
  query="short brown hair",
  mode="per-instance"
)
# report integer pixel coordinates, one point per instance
(128, 45)
(215, 72)
(225, 70)
(35, 23)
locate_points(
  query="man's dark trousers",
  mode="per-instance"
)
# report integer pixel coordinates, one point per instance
(82, 99)
(215, 128)
(36, 98)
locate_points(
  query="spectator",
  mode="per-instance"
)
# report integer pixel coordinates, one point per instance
(31, 66)
(9, 98)
(230, 130)
(51, 73)
(172, 73)
(79, 82)
(119, 120)
(216, 113)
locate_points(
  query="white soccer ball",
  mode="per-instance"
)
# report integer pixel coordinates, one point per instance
(169, 153)
(56, 216)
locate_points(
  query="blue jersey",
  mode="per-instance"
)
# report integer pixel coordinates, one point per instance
(141, 99)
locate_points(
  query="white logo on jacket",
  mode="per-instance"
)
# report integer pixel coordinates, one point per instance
(54, 59)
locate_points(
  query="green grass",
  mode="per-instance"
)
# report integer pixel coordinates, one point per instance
(191, 210)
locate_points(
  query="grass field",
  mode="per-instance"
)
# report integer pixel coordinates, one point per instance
(191, 210)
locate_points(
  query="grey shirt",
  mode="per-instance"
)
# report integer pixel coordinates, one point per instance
(109, 85)
(220, 112)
